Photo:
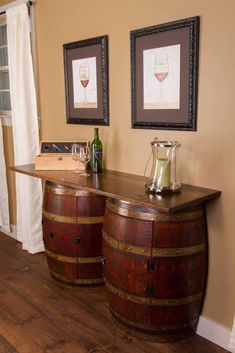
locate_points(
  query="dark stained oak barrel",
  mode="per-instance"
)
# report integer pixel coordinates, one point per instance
(72, 234)
(155, 269)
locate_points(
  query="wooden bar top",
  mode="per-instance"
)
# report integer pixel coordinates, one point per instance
(124, 186)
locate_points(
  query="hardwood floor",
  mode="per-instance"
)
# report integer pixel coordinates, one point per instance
(36, 316)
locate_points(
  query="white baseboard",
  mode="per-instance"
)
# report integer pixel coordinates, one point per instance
(232, 339)
(214, 332)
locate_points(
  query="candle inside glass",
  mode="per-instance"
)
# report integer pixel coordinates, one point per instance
(163, 173)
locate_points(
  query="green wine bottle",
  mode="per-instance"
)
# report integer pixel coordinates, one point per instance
(96, 153)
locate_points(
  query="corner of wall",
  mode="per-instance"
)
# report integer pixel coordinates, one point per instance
(214, 332)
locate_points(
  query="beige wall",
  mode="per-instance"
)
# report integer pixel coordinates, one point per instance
(206, 155)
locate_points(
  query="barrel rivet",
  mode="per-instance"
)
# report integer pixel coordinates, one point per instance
(77, 239)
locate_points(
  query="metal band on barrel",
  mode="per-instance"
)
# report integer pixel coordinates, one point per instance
(150, 337)
(149, 327)
(160, 217)
(68, 191)
(151, 301)
(76, 280)
(73, 220)
(153, 252)
(73, 260)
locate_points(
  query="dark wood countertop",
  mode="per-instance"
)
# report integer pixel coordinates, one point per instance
(124, 186)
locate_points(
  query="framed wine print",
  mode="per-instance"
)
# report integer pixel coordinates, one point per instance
(164, 70)
(86, 81)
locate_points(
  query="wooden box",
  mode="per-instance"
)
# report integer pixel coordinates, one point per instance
(56, 155)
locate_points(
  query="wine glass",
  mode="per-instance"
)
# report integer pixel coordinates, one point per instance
(84, 75)
(161, 70)
(84, 156)
(75, 156)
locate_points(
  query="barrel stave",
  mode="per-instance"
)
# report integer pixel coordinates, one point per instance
(119, 232)
(155, 269)
(129, 311)
(173, 234)
(91, 205)
(180, 268)
(130, 274)
(90, 271)
(62, 271)
(59, 237)
(72, 224)
(173, 315)
(128, 230)
(59, 204)
(179, 277)
(90, 236)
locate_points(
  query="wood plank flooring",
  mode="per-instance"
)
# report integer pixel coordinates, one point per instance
(36, 316)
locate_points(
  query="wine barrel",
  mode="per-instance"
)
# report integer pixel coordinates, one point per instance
(155, 269)
(72, 234)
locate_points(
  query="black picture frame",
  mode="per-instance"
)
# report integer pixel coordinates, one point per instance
(88, 58)
(180, 41)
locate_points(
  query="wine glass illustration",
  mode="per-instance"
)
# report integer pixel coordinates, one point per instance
(84, 75)
(84, 156)
(75, 155)
(161, 70)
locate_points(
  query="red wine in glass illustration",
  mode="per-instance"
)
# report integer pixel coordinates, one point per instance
(161, 70)
(84, 75)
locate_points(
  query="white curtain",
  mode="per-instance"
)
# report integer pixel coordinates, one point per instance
(232, 339)
(4, 207)
(25, 128)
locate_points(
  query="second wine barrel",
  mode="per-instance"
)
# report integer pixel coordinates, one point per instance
(155, 269)
(72, 233)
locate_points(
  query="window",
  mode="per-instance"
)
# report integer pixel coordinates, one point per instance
(5, 101)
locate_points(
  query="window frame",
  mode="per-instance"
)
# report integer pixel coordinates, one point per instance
(5, 115)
